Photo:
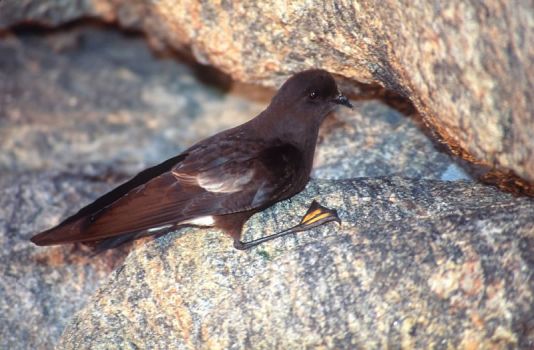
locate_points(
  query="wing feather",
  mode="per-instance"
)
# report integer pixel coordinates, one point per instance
(199, 183)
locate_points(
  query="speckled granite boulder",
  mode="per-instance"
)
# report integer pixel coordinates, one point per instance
(41, 289)
(95, 98)
(466, 65)
(85, 107)
(417, 264)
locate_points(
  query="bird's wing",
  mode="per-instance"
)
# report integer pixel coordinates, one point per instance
(207, 180)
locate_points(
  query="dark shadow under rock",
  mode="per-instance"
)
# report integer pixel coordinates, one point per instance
(376, 140)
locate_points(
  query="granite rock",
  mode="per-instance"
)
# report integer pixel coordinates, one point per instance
(467, 66)
(85, 107)
(41, 289)
(106, 98)
(96, 100)
(415, 264)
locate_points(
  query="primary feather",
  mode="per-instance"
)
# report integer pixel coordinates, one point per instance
(183, 189)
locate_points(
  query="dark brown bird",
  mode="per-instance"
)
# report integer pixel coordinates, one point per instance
(220, 181)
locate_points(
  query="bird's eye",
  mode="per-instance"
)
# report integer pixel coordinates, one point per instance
(313, 95)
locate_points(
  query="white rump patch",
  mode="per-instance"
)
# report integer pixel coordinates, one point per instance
(201, 221)
(211, 183)
(159, 228)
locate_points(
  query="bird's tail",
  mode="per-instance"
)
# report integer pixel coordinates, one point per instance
(66, 233)
(70, 233)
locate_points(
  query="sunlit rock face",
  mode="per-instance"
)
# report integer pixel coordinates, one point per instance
(466, 66)
(425, 255)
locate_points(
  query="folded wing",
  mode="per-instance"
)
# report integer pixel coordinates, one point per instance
(204, 181)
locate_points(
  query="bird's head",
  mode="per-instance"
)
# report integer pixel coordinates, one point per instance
(310, 94)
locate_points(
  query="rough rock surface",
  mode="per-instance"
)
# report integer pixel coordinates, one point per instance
(41, 289)
(93, 91)
(83, 108)
(467, 66)
(423, 264)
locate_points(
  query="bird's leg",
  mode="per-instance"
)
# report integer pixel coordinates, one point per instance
(316, 215)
